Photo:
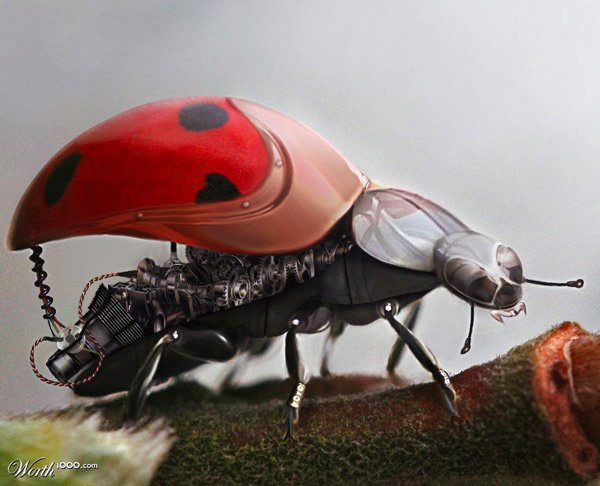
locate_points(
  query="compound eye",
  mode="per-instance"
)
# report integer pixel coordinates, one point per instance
(508, 296)
(471, 281)
(510, 263)
(483, 290)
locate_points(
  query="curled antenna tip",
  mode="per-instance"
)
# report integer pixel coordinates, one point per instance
(466, 347)
(571, 283)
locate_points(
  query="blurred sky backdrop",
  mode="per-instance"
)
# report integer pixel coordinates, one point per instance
(491, 109)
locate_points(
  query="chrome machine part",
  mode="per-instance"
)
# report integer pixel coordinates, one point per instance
(225, 280)
(401, 228)
(158, 297)
(481, 270)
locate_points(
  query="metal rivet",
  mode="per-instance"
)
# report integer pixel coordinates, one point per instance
(279, 163)
(388, 307)
(295, 321)
(245, 204)
(139, 215)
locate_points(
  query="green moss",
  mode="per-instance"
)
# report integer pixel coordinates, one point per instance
(224, 442)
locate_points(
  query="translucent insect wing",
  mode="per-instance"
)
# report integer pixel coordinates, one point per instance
(401, 228)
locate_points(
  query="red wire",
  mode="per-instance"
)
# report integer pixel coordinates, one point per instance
(89, 336)
(54, 319)
(66, 383)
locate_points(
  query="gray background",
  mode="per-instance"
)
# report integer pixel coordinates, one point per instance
(492, 109)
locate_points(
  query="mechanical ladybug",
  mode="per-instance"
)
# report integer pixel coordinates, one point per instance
(283, 235)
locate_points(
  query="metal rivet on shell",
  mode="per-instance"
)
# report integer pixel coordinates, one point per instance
(139, 215)
(245, 204)
(279, 163)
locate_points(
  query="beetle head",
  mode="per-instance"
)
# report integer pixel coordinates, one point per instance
(481, 271)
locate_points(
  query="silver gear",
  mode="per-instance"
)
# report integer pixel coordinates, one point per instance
(273, 275)
(224, 280)
(303, 267)
(238, 289)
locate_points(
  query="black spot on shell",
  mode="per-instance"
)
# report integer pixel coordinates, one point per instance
(60, 177)
(202, 116)
(218, 188)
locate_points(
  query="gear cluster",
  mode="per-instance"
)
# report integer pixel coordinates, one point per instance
(211, 281)
(239, 279)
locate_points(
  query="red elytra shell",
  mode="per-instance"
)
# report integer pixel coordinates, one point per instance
(218, 173)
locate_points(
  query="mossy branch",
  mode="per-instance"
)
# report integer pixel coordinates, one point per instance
(516, 420)
(532, 415)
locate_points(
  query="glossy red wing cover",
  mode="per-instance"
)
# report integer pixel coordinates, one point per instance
(218, 173)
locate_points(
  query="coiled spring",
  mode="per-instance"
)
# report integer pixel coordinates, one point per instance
(38, 268)
(50, 316)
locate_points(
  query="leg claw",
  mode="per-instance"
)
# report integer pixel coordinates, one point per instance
(448, 394)
(449, 400)
(291, 419)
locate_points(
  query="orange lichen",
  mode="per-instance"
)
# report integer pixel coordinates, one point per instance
(585, 379)
(554, 384)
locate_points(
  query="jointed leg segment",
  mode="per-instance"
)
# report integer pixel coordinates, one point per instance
(399, 345)
(296, 371)
(196, 344)
(424, 356)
